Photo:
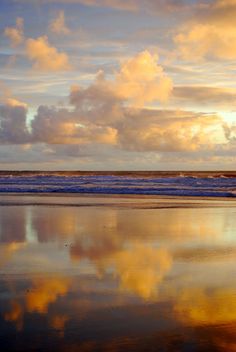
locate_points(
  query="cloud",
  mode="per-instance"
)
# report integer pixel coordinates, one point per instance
(46, 57)
(169, 131)
(12, 102)
(128, 129)
(110, 112)
(6, 97)
(207, 40)
(13, 127)
(222, 11)
(205, 95)
(210, 34)
(15, 34)
(58, 25)
(128, 5)
(230, 132)
(140, 80)
(63, 127)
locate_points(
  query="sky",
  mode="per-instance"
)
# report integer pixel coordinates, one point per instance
(118, 85)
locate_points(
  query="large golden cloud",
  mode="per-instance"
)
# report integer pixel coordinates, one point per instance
(139, 80)
(142, 81)
(110, 111)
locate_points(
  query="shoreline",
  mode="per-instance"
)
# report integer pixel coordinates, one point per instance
(114, 200)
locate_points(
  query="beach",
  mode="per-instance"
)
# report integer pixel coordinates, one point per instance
(118, 176)
(117, 273)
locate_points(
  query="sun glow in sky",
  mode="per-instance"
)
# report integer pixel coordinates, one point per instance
(113, 84)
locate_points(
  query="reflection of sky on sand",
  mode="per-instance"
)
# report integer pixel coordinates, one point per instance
(136, 271)
(140, 269)
(37, 298)
(199, 307)
(43, 293)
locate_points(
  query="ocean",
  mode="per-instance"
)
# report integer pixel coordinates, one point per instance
(201, 184)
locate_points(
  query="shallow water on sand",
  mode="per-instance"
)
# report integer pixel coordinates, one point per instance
(125, 276)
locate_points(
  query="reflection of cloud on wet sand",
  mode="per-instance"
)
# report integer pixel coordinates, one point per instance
(37, 299)
(226, 346)
(13, 224)
(57, 322)
(199, 307)
(7, 251)
(15, 315)
(140, 269)
(206, 254)
(50, 224)
(86, 225)
(212, 313)
(45, 292)
(95, 250)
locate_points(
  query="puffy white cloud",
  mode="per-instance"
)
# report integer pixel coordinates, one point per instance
(58, 25)
(46, 57)
(16, 34)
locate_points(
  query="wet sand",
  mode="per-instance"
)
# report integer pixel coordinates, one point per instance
(94, 273)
